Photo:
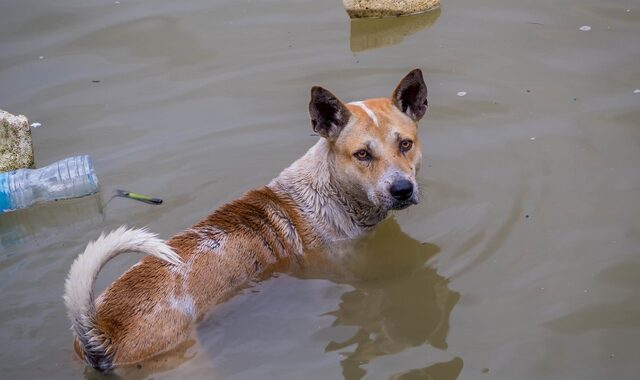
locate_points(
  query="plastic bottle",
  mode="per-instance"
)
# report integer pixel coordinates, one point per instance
(69, 178)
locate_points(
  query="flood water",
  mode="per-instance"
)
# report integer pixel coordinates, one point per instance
(523, 263)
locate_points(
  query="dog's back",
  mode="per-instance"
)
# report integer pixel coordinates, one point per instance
(155, 302)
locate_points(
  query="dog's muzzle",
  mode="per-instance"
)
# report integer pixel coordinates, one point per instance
(402, 191)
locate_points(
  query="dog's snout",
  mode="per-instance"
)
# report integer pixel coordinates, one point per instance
(401, 189)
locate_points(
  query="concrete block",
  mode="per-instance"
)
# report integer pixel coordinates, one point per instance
(16, 148)
(388, 8)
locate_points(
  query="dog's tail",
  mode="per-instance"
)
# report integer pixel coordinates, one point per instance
(78, 290)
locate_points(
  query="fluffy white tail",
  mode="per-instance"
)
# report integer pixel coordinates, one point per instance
(78, 289)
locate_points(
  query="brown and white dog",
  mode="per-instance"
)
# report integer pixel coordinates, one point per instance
(364, 165)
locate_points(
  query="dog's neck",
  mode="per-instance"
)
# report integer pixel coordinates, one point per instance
(311, 183)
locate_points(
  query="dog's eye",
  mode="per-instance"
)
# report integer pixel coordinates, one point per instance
(406, 145)
(362, 155)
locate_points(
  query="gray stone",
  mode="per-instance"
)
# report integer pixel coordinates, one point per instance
(16, 148)
(388, 8)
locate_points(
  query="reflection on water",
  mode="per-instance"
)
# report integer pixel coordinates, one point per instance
(36, 225)
(398, 302)
(439, 371)
(373, 33)
(148, 368)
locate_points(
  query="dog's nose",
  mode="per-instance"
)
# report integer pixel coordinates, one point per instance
(401, 189)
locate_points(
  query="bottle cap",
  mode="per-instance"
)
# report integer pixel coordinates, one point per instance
(5, 196)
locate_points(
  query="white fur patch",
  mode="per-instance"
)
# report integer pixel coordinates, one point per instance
(208, 239)
(307, 180)
(209, 245)
(366, 109)
(183, 304)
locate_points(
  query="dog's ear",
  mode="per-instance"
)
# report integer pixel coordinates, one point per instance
(411, 95)
(328, 114)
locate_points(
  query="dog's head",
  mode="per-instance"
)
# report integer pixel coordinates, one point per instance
(374, 143)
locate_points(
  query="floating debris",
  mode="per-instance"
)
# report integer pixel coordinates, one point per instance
(585, 28)
(36, 125)
(41, 57)
(462, 93)
(532, 138)
(636, 91)
(72, 177)
(138, 197)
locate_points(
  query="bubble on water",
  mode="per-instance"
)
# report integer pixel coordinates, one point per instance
(41, 57)
(585, 28)
(462, 93)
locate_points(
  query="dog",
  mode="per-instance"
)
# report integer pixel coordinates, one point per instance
(363, 166)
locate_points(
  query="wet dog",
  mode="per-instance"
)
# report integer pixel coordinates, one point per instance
(363, 166)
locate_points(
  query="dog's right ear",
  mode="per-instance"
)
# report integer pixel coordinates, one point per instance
(328, 114)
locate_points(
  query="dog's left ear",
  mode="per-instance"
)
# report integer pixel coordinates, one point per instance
(411, 95)
(328, 114)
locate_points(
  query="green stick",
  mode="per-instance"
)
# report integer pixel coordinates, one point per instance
(138, 197)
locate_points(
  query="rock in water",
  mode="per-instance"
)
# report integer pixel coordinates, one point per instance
(386, 8)
(16, 148)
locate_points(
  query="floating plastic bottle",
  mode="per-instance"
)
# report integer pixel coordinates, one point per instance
(72, 177)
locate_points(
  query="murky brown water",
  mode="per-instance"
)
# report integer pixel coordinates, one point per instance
(524, 263)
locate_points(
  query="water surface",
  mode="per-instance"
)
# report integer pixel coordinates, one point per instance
(523, 263)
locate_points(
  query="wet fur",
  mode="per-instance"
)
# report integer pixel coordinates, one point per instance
(325, 196)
